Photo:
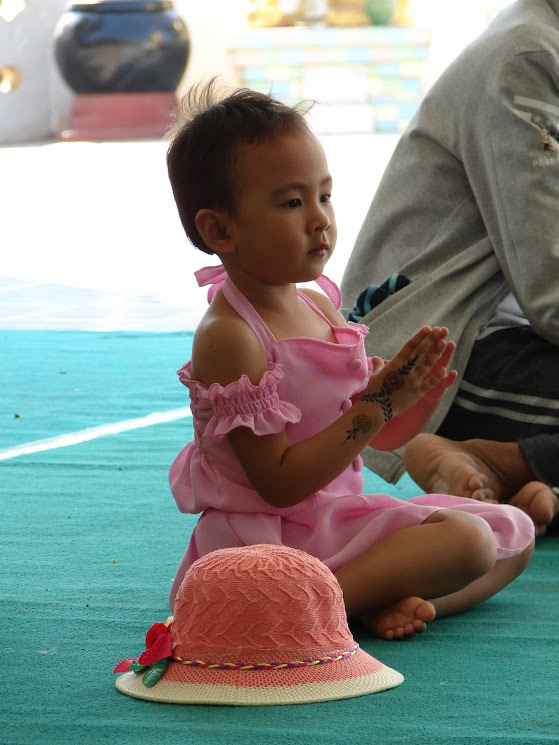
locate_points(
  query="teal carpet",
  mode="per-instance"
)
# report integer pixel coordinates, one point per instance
(90, 539)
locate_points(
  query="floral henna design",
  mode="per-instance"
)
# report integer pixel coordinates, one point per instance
(392, 381)
(382, 398)
(361, 424)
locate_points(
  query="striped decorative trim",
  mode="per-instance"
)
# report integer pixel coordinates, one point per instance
(268, 665)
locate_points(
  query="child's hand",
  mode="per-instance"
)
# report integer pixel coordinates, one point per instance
(445, 380)
(417, 369)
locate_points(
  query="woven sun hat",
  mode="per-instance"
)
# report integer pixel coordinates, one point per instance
(255, 625)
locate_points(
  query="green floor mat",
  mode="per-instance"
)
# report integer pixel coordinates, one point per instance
(90, 540)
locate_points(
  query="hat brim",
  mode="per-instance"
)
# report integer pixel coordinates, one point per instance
(357, 676)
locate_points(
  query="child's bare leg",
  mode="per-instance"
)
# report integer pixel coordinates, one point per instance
(389, 585)
(502, 574)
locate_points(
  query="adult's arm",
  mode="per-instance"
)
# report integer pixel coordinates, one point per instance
(512, 159)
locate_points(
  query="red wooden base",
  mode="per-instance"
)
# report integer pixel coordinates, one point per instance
(120, 116)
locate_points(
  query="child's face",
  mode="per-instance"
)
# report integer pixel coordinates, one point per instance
(283, 224)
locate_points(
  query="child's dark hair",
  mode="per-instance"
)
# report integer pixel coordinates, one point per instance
(208, 128)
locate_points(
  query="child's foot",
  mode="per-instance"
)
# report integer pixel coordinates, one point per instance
(400, 620)
(539, 502)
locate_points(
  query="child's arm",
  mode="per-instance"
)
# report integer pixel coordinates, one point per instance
(402, 428)
(285, 474)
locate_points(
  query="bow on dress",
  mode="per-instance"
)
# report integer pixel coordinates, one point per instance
(211, 275)
(216, 276)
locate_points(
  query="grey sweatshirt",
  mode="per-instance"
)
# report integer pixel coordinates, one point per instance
(468, 207)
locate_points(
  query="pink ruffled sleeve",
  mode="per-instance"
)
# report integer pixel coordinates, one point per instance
(240, 404)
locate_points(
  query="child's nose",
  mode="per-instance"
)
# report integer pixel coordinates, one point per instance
(320, 219)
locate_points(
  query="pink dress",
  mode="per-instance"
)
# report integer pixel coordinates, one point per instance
(308, 385)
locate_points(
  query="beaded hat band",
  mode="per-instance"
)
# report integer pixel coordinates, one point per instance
(268, 665)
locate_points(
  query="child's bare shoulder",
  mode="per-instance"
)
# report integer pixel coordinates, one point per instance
(225, 347)
(324, 304)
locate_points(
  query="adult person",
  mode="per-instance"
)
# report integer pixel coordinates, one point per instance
(467, 216)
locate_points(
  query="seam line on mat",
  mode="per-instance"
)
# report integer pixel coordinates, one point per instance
(93, 433)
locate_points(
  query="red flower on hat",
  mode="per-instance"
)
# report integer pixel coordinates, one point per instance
(159, 645)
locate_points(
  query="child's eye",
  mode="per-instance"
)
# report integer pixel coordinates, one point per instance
(293, 203)
(326, 198)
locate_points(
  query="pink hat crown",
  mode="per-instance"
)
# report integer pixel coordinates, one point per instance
(259, 600)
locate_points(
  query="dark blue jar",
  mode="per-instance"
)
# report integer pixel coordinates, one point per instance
(121, 46)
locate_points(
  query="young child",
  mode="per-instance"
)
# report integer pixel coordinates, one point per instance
(284, 398)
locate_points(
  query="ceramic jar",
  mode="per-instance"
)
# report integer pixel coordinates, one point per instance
(121, 46)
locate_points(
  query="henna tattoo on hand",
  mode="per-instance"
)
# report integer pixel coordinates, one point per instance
(361, 424)
(392, 381)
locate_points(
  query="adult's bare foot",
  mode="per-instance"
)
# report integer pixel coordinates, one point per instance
(400, 620)
(478, 469)
(539, 502)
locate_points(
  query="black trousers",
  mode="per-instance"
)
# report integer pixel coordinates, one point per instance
(510, 393)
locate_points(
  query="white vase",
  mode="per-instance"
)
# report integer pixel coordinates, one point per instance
(315, 10)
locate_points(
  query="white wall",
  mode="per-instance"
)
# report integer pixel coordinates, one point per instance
(25, 45)
(211, 23)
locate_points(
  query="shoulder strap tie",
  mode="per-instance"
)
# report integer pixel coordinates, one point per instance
(211, 275)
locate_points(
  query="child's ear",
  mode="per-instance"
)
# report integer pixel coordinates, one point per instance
(213, 226)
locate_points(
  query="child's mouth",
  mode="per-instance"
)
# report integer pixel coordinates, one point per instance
(321, 250)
